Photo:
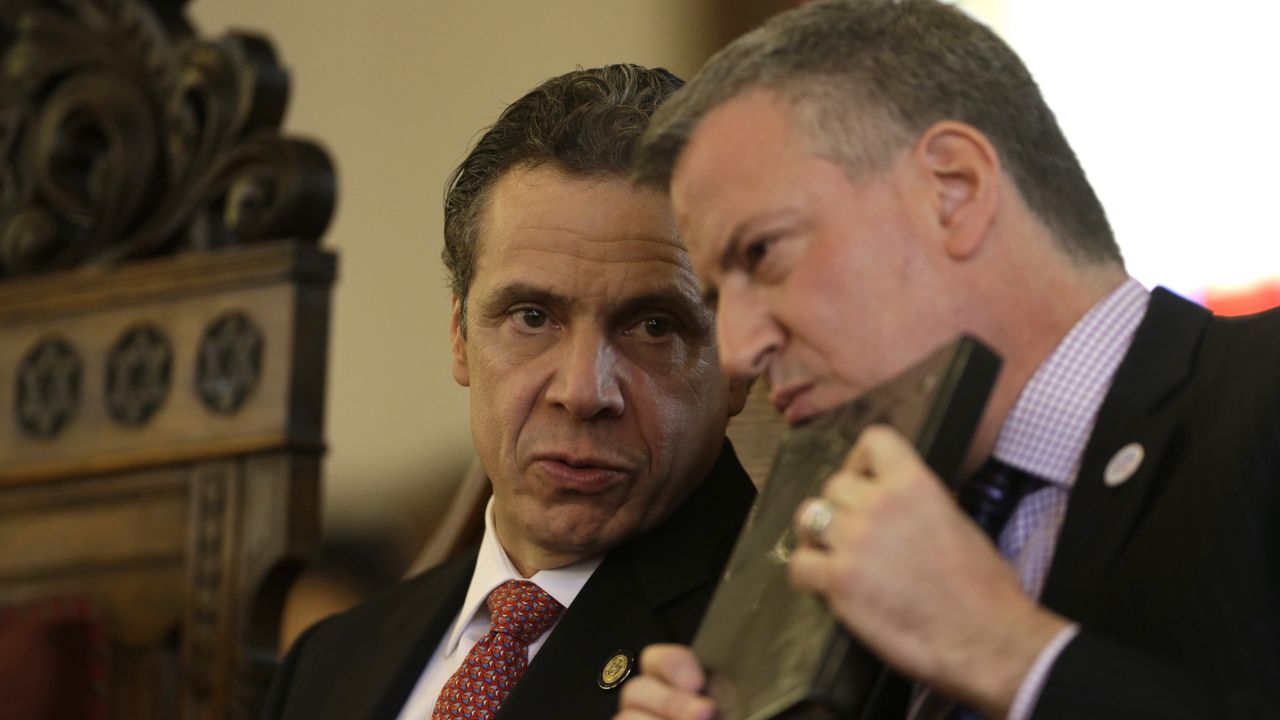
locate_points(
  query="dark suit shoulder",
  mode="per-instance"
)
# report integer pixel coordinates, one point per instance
(1231, 406)
(1215, 373)
(1244, 352)
(1165, 570)
(390, 609)
(391, 635)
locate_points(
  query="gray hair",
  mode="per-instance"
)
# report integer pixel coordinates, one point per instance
(584, 122)
(866, 77)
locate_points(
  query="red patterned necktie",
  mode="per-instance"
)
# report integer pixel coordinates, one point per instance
(520, 612)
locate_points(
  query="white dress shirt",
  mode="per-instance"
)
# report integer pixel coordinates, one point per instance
(493, 568)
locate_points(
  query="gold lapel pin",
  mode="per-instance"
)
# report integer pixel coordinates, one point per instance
(615, 670)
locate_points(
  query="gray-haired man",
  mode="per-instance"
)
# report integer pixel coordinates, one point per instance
(861, 180)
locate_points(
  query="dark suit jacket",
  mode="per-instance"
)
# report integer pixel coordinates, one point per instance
(1174, 575)
(365, 662)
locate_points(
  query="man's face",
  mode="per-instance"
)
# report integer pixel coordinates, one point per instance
(597, 400)
(822, 285)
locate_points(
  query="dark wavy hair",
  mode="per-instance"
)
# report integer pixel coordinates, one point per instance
(585, 123)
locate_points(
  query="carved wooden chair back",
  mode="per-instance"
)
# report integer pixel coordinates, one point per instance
(163, 334)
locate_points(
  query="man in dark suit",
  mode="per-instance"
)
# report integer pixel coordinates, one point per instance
(859, 181)
(598, 410)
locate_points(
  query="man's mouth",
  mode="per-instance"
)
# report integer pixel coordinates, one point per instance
(581, 474)
(793, 402)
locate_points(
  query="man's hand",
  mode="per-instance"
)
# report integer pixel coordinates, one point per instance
(920, 584)
(667, 688)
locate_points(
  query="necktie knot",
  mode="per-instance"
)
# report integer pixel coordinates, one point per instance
(519, 612)
(993, 492)
(522, 609)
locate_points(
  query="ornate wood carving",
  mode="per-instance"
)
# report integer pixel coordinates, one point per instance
(230, 362)
(209, 489)
(123, 135)
(47, 388)
(189, 526)
(138, 370)
(163, 334)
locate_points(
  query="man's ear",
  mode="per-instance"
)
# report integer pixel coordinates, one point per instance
(738, 390)
(963, 171)
(458, 345)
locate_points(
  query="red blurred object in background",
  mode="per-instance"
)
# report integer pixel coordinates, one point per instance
(1257, 297)
(53, 661)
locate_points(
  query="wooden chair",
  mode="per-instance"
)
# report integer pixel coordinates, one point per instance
(756, 432)
(461, 525)
(163, 334)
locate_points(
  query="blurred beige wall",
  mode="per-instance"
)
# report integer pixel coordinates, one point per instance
(397, 91)
(992, 12)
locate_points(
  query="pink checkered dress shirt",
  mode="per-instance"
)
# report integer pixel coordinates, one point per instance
(1045, 434)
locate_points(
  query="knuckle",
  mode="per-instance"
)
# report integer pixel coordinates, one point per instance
(677, 705)
(848, 577)
(836, 483)
(876, 434)
(630, 690)
(874, 431)
(647, 658)
(918, 478)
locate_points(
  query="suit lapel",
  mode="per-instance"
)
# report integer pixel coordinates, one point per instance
(377, 686)
(1100, 519)
(652, 589)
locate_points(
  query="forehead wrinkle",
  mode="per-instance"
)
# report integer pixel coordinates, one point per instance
(638, 289)
(517, 290)
(592, 247)
(632, 287)
(645, 266)
(678, 288)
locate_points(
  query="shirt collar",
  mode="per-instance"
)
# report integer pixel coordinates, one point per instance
(1047, 429)
(494, 567)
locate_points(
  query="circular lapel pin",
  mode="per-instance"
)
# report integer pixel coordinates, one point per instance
(615, 670)
(1123, 464)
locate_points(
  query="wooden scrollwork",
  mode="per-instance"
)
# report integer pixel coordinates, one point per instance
(124, 135)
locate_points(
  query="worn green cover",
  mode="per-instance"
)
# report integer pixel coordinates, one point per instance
(774, 652)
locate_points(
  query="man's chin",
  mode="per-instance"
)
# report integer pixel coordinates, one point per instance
(563, 552)
(577, 535)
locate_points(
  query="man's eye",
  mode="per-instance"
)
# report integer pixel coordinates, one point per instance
(656, 327)
(530, 317)
(753, 252)
(651, 329)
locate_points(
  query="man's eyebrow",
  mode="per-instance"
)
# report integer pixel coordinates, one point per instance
(726, 258)
(746, 227)
(673, 300)
(500, 299)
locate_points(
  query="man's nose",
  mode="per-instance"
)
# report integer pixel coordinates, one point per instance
(586, 382)
(746, 332)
